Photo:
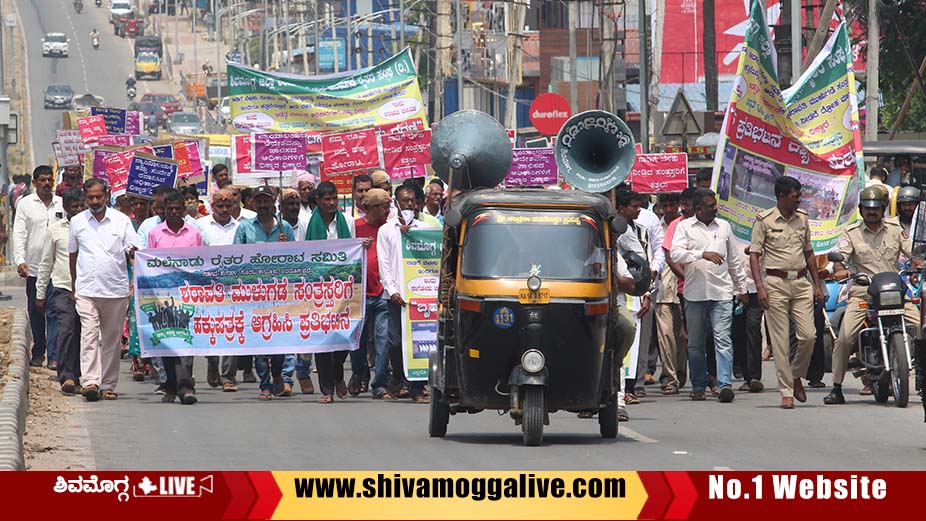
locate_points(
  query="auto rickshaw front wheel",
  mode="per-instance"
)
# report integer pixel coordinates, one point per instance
(607, 419)
(440, 414)
(534, 409)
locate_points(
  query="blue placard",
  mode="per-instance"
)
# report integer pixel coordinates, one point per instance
(164, 151)
(115, 118)
(146, 173)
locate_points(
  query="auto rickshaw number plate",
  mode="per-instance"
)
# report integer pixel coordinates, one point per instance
(526, 296)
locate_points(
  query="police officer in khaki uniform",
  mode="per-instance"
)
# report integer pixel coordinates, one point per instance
(871, 246)
(781, 244)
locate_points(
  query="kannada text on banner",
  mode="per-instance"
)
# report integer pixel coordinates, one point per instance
(420, 272)
(809, 132)
(274, 298)
(384, 93)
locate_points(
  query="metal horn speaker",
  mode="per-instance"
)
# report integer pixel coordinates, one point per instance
(594, 151)
(474, 147)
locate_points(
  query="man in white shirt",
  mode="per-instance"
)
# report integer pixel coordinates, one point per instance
(389, 254)
(713, 275)
(219, 229)
(55, 267)
(34, 213)
(99, 243)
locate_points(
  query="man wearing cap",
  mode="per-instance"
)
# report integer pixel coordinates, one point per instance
(871, 246)
(261, 229)
(781, 245)
(377, 203)
(328, 223)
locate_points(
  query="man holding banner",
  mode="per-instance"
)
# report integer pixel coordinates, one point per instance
(261, 229)
(175, 232)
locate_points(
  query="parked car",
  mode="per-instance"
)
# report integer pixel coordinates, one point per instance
(59, 96)
(185, 123)
(55, 44)
(119, 8)
(86, 101)
(168, 102)
(224, 111)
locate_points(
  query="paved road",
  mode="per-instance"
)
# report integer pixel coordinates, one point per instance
(100, 72)
(235, 431)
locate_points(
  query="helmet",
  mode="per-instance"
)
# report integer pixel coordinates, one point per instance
(872, 197)
(639, 269)
(908, 194)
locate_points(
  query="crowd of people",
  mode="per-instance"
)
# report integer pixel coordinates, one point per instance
(702, 321)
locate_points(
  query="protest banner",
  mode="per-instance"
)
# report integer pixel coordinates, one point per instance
(134, 122)
(116, 140)
(406, 149)
(809, 132)
(420, 274)
(69, 147)
(313, 143)
(241, 156)
(117, 170)
(189, 161)
(163, 150)
(279, 151)
(658, 173)
(350, 151)
(382, 94)
(260, 299)
(115, 118)
(147, 172)
(532, 167)
(95, 162)
(91, 128)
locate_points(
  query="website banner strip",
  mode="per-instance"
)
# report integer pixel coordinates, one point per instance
(143, 495)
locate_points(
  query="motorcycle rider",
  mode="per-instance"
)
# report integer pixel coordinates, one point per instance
(130, 82)
(872, 246)
(907, 199)
(95, 37)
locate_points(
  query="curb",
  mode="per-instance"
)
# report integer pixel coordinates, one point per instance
(14, 400)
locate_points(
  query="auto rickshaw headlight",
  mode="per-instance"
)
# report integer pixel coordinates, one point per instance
(532, 361)
(533, 283)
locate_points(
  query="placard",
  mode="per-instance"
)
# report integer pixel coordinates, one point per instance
(147, 172)
(350, 151)
(532, 167)
(658, 173)
(406, 149)
(189, 161)
(69, 147)
(91, 128)
(279, 151)
(115, 118)
(116, 140)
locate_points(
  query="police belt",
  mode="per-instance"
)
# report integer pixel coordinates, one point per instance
(789, 275)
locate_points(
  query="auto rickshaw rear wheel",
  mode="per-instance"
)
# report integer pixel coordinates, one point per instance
(440, 414)
(533, 407)
(607, 419)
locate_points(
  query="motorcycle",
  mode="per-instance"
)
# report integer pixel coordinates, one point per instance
(151, 125)
(95, 41)
(78, 7)
(884, 343)
(130, 92)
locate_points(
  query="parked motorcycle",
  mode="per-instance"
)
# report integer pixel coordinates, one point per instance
(884, 343)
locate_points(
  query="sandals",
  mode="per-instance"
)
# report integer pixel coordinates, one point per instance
(229, 387)
(669, 390)
(265, 395)
(364, 386)
(109, 394)
(421, 399)
(697, 396)
(341, 390)
(587, 414)
(622, 415)
(630, 399)
(91, 392)
(383, 396)
(326, 399)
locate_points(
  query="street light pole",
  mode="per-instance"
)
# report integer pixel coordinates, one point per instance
(289, 57)
(350, 40)
(315, 44)
(459, 55)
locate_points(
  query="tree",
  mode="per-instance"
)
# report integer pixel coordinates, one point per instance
(901, 29)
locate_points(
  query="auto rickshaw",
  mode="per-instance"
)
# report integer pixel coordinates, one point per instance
(525, 298)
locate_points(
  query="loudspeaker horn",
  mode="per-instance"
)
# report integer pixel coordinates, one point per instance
(594, 151)
(474, 147)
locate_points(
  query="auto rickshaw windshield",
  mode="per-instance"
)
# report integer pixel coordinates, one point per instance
(552, 244)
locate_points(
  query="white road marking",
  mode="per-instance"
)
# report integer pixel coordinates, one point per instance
(634, 435)
(680, 452)
(80, 53)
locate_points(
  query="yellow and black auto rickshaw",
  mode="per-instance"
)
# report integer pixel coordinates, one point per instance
(525, 296)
